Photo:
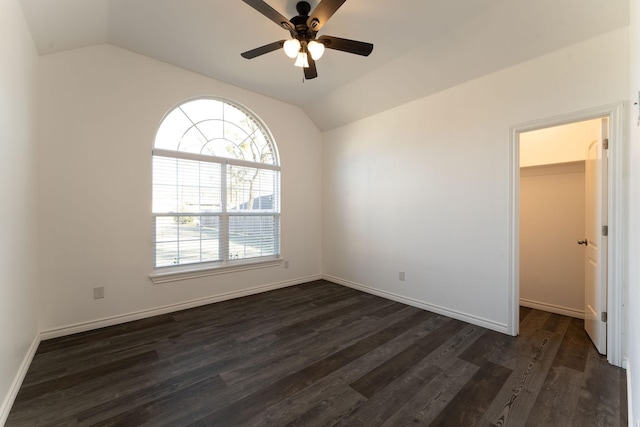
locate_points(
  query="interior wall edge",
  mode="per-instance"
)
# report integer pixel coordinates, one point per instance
(423, 305)
(18, 379)
(552, 308)
(143, 314)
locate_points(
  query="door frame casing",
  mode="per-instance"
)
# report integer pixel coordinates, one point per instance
(616, 220)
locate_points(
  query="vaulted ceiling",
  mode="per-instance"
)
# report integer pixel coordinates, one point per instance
(421, 46)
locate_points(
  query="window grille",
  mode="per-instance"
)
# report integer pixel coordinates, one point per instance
(216, 187)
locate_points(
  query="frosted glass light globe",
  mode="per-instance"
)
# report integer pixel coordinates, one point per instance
(316, 49)
(291, 48)
(302, 60)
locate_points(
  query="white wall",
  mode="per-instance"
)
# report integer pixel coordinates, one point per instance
(552, 215)
(558, 144)
(633, 307)
(18, 202)
(424, 187)
(100, 110)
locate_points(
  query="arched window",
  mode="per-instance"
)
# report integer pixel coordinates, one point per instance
(216, 187)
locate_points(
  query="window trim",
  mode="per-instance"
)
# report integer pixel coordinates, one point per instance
(194, 271)
(166, 274)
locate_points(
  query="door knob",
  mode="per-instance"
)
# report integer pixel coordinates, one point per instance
(582, 242)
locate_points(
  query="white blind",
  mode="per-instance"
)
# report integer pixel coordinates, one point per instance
(210, 208)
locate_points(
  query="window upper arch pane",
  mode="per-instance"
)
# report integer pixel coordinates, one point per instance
(218, 128)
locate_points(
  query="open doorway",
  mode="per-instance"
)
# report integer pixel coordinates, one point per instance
(562, 260)
(612, 274)
(552, 216)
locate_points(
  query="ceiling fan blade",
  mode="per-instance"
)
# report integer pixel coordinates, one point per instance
(322, 13)
(346, 45)
(271, 13)
(250, 54)
(311, 72)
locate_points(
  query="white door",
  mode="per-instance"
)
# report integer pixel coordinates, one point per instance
(596, 249)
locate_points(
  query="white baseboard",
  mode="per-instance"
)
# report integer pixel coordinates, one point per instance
(17, 381)
(485, 323)
(565, 311)
(124, 318)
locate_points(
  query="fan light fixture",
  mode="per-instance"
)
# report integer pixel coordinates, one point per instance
(294, 49)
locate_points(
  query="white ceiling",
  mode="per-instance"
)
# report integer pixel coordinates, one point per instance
(421, 46)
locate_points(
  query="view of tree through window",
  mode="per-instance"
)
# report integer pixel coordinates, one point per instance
(216, 186)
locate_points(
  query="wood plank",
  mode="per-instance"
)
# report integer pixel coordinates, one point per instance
(344, 313)
(557, 400)
(534, 321)
(382, 406)
(429, 400)
(46, 408)
(556, 323)
(96, 391)
(470, 403)
(599, 396)
(330, 411)
(369, 384)
(348, 326)
(330, 341)
(259, 400)
(36, 390)
(388, 310)
(83, 338)
(293, 406)
(162, 391)
(482, 349)
(575, 347)
(515, 400)
(289, 356)
(452, 349)
(322, 348)
(154, 412)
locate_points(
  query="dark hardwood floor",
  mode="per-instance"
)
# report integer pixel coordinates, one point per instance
(321, 354)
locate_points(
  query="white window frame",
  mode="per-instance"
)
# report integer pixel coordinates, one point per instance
(166, 274)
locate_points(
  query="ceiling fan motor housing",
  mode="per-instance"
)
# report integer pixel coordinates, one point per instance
(300, 22)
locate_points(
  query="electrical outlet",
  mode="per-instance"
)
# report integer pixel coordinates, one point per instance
(401, 276)
(98, 293)
(286, 263)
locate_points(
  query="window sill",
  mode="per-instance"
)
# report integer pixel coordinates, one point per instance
(174, 274)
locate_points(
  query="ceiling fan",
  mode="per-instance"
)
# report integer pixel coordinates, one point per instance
(303, 45)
